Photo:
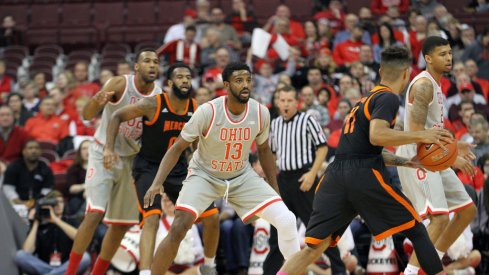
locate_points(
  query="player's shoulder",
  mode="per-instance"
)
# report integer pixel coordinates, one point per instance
(116, 83)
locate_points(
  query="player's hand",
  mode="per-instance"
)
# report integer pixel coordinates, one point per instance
(465, 150)
(149, 197)
(110, 158)
(307, 180)
(436, 136)
(102, 97)
(414, 163)
(465, 166)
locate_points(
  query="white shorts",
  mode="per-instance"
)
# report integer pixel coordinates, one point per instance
(432, 192)
(111, 191)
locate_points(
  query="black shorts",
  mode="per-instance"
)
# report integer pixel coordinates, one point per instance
(358, 186)
(144, 172)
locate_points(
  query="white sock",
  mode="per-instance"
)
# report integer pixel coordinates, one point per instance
(440, 254)
(278, 215)
(411, 270)
(209, 261)
(145, 272)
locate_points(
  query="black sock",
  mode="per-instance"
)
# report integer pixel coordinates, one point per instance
(425, 251)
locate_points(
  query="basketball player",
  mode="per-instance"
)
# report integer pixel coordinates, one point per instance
(110, 192)
(163, 118)
(225, 129)
(434, 194)
(356, 182)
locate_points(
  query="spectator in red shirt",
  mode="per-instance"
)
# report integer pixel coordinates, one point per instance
(46, 125)
(61, 110)
(295, 28)
(212, 78)
(380, 7)
(313, 42)
(348, 51)
(83, 86)
(182, 50)
(334, 15)
(242, 20)
(12, 138)
(6, 82)
(417, 36)
(472, 69)
(78, 126)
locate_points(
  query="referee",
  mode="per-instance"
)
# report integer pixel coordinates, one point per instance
(299, 145)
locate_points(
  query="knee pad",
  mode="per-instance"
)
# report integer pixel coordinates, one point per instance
(286, 225)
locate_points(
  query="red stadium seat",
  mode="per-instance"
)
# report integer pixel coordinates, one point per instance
(18, 11)
(146, 44)
(45, 58)
(109, 13)
(50, 155)
(77, 14)
(119, 47)
(142, 12)
(39, 36)
(78, 36)
(176, 11)
(22, 50)
(45, 15)
(50, 48)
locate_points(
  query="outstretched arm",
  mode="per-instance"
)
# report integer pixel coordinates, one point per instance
(111, 91)
(145, 107)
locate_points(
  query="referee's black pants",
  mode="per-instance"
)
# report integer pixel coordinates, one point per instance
(300, 203)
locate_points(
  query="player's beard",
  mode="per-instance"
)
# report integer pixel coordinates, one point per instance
(238, 98)
(181, 94)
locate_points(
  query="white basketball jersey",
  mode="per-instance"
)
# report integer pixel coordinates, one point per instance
(224, 140)
(126, 142)
(436, 108)
(434, 117)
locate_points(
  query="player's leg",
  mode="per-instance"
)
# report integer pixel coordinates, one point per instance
(122, 213)
(168, 248)
(390, 212)
(300, 260)
(197, 193)
(98, 184)
(210, 235)
(144, 173)
(459, 202)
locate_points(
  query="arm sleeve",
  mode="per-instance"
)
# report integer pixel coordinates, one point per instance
(315, 131)
(265, 125)
(385, 106)
(198, 123)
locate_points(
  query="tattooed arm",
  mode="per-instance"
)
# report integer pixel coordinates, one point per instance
(391, 159)
(420, 95)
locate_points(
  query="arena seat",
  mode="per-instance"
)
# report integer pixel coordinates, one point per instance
(109, 13)
(142, 12)
(77, 14)
(177, 9)
(45, 15)
(16, 49)
(49, 48)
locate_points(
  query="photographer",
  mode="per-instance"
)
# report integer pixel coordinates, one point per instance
(47, 247)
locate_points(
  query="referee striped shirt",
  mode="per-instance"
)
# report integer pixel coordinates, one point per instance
(294, 142)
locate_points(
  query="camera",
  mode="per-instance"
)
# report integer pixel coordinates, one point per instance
(41, 211)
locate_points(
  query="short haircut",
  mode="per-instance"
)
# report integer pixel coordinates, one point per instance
(394, 60)
(47, 98)
(174, 66)
(54, 194)
(191, 28)
(477, 119)
(232, 67)
(430, 44)
(138, 54)
(29, 142)
(288, 89)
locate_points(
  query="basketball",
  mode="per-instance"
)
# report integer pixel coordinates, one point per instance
(435, 158)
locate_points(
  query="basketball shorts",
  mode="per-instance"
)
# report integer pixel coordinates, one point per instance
(144, 172)
(432, 192)
(111, 191)
(352, 187)
(248, 194)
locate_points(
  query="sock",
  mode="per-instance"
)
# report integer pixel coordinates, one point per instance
(145, 272)
(100, 267)
(440, 254)
(209, 261)
(73, 263)
(411, 270)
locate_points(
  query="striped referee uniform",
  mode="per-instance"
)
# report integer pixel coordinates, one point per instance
(294, 143)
